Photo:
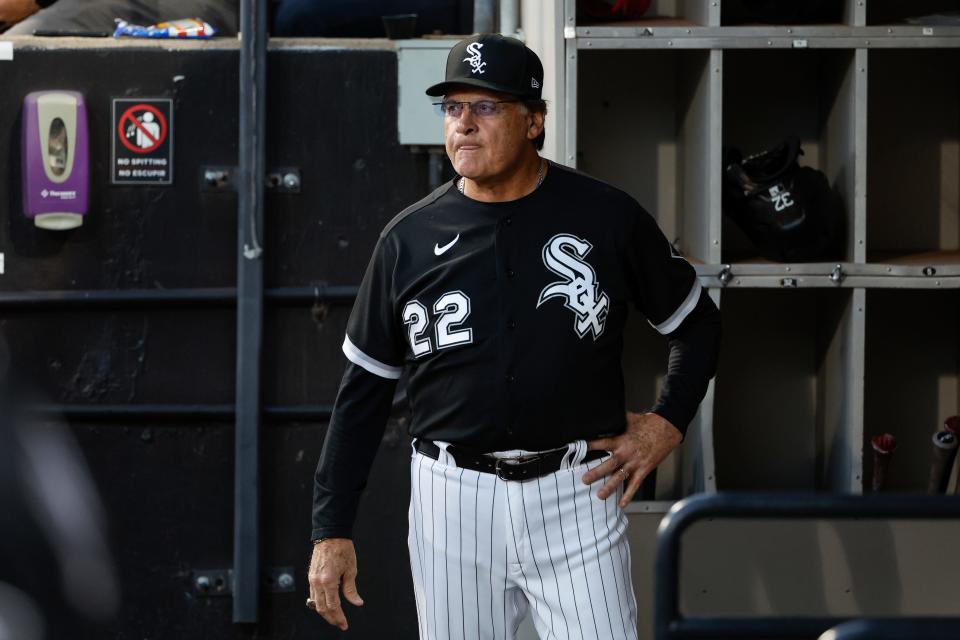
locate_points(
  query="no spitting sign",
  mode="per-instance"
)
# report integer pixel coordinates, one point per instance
(142, 149)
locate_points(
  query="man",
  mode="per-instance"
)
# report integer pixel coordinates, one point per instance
(504, 296)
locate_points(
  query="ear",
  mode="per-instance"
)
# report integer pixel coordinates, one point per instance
(534, 125)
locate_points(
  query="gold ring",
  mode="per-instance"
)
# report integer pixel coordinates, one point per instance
(311, 604)
(624, 472)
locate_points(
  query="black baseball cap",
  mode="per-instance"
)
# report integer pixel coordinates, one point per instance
(495, 62)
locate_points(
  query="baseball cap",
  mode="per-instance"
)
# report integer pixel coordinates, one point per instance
(495, 62)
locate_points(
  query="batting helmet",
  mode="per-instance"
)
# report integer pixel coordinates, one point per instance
(789, 212)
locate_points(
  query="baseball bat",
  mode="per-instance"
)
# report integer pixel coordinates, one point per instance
(883, 448)
(952, 424)
(941, 462)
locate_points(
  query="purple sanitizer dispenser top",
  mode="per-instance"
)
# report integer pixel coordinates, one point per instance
(55, 158)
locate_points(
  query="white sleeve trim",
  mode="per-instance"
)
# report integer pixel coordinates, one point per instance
(671, 323)
(372, 365)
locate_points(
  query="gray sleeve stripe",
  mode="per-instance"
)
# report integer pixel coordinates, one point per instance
(670, 324)
(374, 366)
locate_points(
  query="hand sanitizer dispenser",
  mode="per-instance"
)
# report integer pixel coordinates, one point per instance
(55, 159)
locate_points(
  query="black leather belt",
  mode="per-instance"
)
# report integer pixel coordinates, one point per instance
(522, 468)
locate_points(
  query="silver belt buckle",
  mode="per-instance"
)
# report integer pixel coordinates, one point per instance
(503, 463)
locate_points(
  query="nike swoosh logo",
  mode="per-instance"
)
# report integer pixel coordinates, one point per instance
(438, 250)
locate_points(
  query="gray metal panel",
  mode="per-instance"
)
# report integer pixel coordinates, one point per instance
(681, 40)
(908, 31)
(700, 12)
(821, 282)
(848, 478)
(542, 29)
(420, 63)
(782, 282)
(817, 269)
(840, 393)
(716, 161)
(839, 141)
(699, 467)
(854, 13)
(861, 93)
(881, 271)
(691, 472)
(904, 283)
(569, 126)
(569, 18)
(931, 270)
(567, 152)
(819, 32)
(699, 154)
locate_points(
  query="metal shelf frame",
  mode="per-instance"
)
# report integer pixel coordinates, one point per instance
(705, 53)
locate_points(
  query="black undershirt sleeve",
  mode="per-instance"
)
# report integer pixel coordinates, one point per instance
(356, 428)
(694, 350)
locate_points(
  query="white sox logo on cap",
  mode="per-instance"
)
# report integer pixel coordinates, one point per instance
(563, 255)
(474, 50)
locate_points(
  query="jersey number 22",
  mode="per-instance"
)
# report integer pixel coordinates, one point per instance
(451, 310)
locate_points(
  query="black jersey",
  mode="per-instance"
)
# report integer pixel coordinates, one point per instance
(509, 316)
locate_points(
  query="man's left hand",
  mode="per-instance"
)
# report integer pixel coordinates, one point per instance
(637, 451)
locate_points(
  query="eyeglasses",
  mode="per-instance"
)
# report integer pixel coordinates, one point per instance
(480, 108)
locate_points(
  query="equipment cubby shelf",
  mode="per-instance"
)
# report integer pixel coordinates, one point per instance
(786, 397)
(912, 125)
(912, 368)
(707, 18)
(817, 104)
(649, 106)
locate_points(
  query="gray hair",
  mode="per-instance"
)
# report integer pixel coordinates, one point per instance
(535, 106)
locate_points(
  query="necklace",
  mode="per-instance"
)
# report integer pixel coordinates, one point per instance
(539, 178)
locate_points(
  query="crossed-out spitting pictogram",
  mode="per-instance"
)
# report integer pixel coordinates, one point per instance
(149, 132)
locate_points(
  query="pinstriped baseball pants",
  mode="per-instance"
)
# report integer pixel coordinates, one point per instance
(484, 550)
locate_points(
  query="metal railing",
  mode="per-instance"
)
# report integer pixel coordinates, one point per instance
(669, 623)
(895, 629)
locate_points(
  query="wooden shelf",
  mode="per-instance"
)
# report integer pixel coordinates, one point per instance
(919, 259)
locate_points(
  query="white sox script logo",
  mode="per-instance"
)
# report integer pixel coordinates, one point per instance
(563, 254)
(474, 50)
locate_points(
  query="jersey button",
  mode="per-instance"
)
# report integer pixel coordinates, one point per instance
(511, 273)
(511, 378)
(511, 325)
(508, 221)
